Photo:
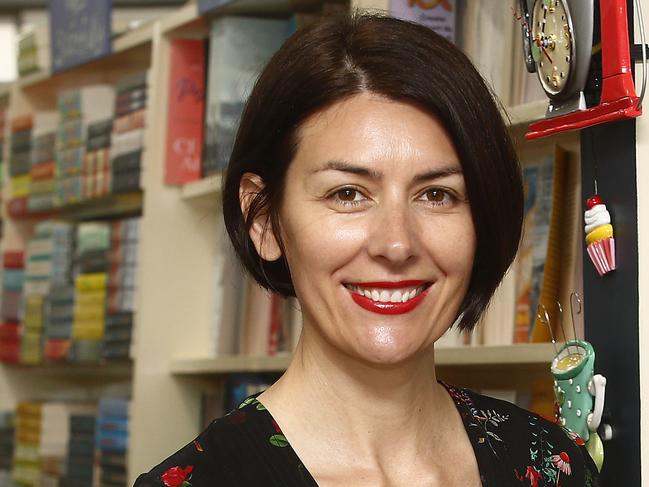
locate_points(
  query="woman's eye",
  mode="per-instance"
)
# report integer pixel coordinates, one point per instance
(348, 196)
(438, 197)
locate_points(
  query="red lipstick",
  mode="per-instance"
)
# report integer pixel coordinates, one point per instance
(389, 308)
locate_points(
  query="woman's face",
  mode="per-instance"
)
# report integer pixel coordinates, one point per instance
(377, 228)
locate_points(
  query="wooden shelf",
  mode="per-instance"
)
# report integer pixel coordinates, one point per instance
(130, 52)
(203, 192)
(108, 370)
(187, 17)
(524, 353)
(98, 208)
(527, 113)
(224, 365)
(532, 354)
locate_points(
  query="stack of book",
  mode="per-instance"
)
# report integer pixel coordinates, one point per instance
(93, 245)
(54, 441)
(19, 164)
(127, 142)
(3, 128)
(41, 187)
(239, 48)
(26, 460)
(9, 342)
(78, 110)
(11, 304)
(59, 438)
(96, 164)
(49, 268)
(112, 441)
(58, 323)
(32, 332)
(121, 288)
(34, 50)
(7, 422)
(81, 451)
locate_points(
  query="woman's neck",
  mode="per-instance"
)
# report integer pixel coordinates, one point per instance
(329, 395)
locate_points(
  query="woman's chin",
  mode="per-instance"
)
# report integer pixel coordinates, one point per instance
(385, 349)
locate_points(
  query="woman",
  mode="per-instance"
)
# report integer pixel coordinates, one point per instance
(373, 178)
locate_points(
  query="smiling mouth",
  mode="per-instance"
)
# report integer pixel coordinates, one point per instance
(389, 298)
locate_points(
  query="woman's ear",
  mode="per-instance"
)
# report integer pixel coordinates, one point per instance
(261, 232)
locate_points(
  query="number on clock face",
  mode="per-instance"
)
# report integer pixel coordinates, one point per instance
(552, 44)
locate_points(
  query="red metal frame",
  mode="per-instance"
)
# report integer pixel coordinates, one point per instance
(619, 99)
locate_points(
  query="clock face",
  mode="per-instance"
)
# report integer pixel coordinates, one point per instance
(552, 44)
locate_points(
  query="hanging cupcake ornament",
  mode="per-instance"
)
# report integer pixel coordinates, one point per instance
(600, 242)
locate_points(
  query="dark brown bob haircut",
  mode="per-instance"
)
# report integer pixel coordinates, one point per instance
(339, 57)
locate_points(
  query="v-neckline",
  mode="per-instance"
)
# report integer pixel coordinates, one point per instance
(463, 406)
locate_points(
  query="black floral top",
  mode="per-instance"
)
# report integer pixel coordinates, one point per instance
(246, 448)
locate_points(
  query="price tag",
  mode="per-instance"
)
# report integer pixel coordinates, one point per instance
(204, 6)
(80, 31)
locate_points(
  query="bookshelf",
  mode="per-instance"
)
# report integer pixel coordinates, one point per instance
(130, 51)
(178, 251)
(537, 354)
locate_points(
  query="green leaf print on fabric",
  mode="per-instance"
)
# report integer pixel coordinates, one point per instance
(279, 441)
(249, 400)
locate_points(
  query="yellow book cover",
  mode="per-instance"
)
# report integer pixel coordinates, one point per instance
(88, 330)
(89, 312)
(20, 186)
(91, 282)
(90, 298)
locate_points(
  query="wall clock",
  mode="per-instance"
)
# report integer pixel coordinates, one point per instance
(558, 42)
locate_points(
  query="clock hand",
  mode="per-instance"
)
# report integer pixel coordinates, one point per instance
(545, 51)
(539, 43)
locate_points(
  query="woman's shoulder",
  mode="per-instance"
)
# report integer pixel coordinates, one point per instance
(201, 458)
(243, 448)
(534, 447)
(216, 454)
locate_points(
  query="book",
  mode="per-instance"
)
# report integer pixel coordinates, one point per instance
(92, 103)
(238, 49)
(548, 244)
(130, 121)
(227, 308)
(256, 316)
(187, 104)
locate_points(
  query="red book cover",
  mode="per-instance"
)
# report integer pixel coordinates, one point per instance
(17, 207)
(9, 331)
(42, 171)
(10, 351)
(56, 349)
(13, 259)
(186, 106)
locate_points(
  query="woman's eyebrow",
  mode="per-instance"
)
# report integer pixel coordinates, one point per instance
(344, 166)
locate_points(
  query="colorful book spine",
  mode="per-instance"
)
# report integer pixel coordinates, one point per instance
(187, 103)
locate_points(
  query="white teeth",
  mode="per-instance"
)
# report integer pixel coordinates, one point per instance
(387, 296)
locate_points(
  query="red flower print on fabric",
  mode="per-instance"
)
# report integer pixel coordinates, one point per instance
(177, 477)
(531, 474)
(562, 462)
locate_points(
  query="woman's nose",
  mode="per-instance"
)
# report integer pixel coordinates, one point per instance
(392, 236)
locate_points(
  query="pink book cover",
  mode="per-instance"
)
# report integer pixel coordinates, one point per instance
(186, 106)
